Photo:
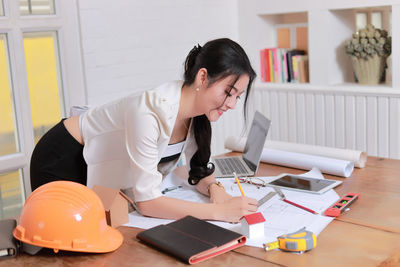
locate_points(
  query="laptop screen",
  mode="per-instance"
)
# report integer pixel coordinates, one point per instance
(256, 140)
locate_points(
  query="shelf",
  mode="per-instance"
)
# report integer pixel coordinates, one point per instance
(342, 27)
(329, 25)
(285, 6)
(346, 88)
(332, 109)
(289, 32)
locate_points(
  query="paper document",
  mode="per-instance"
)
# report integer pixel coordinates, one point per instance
(281, 218)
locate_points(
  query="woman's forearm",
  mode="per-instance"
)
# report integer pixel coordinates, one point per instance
(222, 206)
(172, 208)
(230, 210)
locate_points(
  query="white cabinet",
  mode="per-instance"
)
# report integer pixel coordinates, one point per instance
(331, 110)
(329, 25)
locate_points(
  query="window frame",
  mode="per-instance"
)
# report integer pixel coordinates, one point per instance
(385, 10)
(1, 8)
(293, 31)
(30, 10)
(65, 22)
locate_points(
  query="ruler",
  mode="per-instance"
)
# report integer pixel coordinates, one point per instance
(266, 198)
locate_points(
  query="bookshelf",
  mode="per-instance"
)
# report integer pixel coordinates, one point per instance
(329, 25)
(276, 63)
(331, 110)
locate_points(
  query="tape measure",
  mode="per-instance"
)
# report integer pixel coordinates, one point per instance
(299, 241)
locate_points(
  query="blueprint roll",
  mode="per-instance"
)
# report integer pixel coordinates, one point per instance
(333, 166)
(359, 158)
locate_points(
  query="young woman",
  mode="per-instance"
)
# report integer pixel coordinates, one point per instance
(137, 140)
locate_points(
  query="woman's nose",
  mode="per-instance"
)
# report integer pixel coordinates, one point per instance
(231, 102)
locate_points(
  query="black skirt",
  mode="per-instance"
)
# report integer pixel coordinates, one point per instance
(57, 156)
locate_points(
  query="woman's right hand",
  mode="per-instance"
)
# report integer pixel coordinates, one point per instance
(235, 208)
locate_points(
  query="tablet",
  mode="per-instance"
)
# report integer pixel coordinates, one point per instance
(304, 184)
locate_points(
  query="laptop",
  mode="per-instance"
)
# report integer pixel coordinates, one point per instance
(247, 164)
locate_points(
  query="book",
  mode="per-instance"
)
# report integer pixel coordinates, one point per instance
(289, 62)
(271, 65)
(191, 239)
(276, 65)
(267, 65)
(295, 67)
(262, 65)
(283, 65)
(303, 69)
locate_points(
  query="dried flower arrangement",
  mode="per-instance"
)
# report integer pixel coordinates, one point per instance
(369, 49)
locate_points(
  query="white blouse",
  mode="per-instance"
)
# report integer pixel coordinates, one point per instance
(125, 140)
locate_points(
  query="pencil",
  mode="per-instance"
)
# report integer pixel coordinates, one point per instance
(239, 185)
(299, 206)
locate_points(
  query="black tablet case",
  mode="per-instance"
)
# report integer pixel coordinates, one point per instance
(188, 237)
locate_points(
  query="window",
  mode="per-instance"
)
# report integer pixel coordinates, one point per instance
(11, 194)
(40, 56)
(1, 8)
(292, 31)
(44, 80)
(376, 19)
(36, 7)
(361, 20)
(8, 142)
(380, 17)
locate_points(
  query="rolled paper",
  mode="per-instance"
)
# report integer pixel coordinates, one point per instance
(359, 158)
(310, 158)
(332, 166)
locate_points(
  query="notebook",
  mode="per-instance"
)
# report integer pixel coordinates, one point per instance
(192, 240)
(8, 244)
(247, 164)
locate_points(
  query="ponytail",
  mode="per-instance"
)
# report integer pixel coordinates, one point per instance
(190, 70)
(199, 165)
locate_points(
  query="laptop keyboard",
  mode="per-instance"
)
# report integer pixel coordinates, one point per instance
(230, 165)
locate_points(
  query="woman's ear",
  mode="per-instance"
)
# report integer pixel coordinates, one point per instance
(201, 78)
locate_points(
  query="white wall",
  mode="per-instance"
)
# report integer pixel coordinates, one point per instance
(131, 45)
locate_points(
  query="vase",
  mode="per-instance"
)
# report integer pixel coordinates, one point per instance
(370, 70)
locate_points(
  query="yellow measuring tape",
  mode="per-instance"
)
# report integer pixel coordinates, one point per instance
(301, 240)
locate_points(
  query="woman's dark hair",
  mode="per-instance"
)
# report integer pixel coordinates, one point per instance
(222, 58)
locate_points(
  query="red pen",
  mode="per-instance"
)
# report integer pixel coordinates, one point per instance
(282, 196)
(299, 206)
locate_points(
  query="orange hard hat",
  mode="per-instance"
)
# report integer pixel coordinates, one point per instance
(65, 215)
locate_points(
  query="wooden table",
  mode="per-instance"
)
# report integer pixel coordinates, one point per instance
(367, 235)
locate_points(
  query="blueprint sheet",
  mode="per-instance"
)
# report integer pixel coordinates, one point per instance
(281, 217)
